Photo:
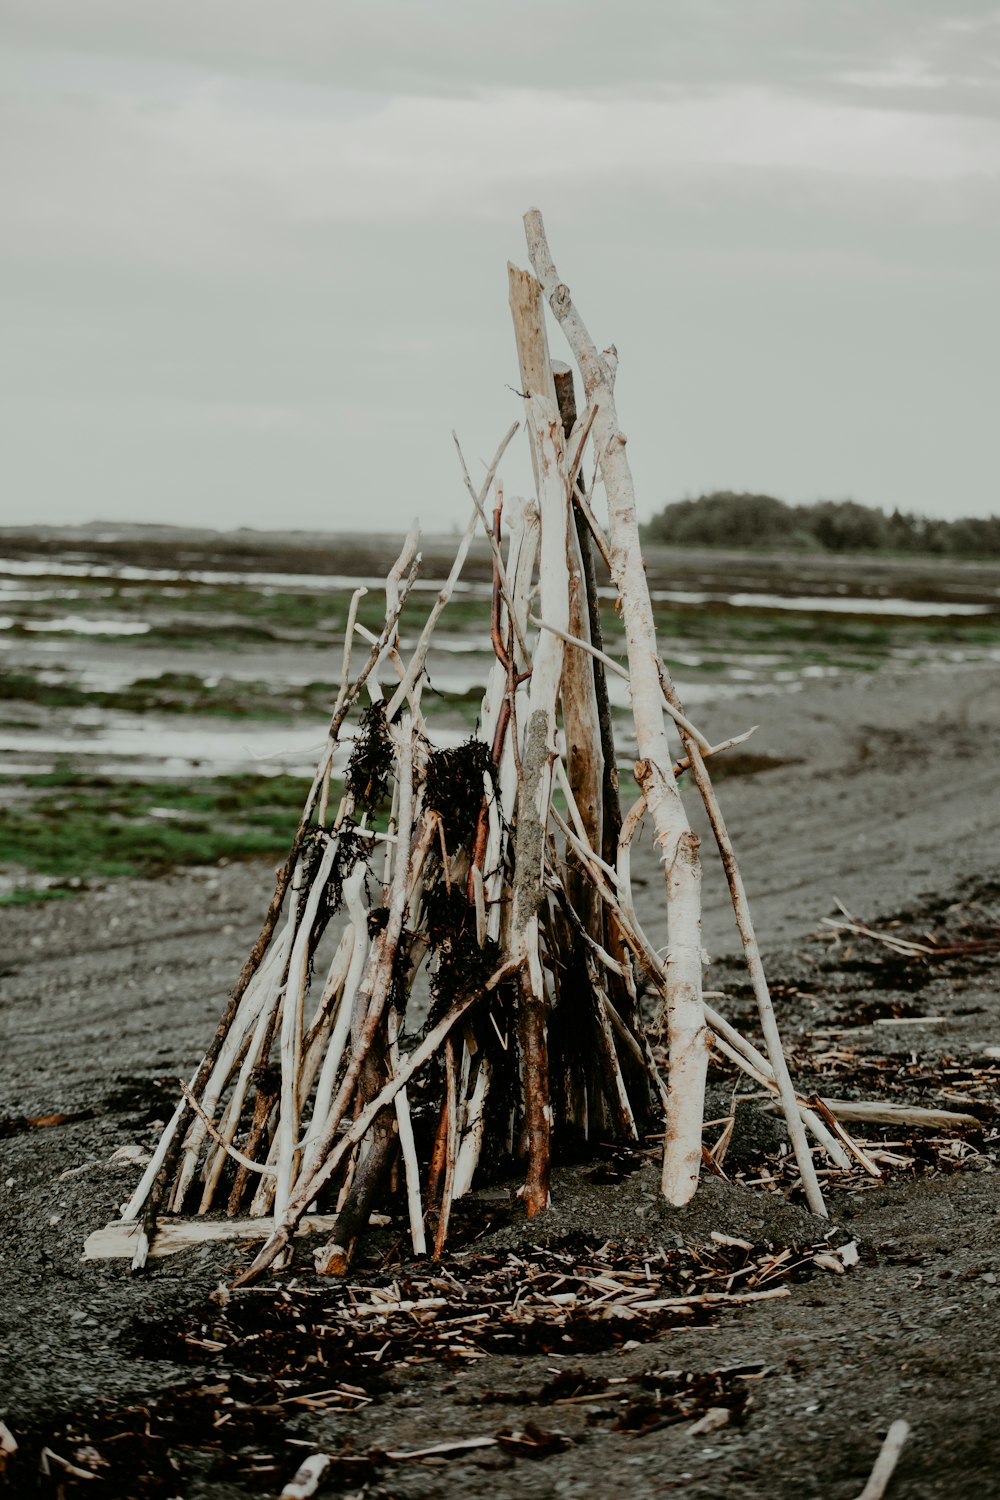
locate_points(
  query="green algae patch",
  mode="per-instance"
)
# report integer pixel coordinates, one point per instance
(66, 825)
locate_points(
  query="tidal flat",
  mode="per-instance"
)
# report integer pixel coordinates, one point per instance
(148, 656)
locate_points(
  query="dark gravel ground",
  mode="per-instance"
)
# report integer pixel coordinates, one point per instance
(109, 995)
(892, 805)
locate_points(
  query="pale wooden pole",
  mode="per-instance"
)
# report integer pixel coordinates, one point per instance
(608, 823)
(535, 791)
(685, 1017)
(581, 724)
(755, 967)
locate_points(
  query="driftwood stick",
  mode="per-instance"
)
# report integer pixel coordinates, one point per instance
(216, 1134)
(407, 1145)
(758, 979)
(264, 1102)
(375, 1164)
(747, 1059)
(419, 657)
(394, 580)
(612, 965)
(307, 1478)
(262, 1202)
(439, 1156)
(292, 1020)
(622, 1031)
(578, 695)
(616, 967)
(886, 1462)
(231, 1118)
(566, 397)
(684, 764)
(534, 798)
(574, 640)
(471, 1143)
(621, 992)
(830, 1120)
(371, 1003)
(451, 1148)
(153, 1184)
(875, 1112)
(506, 694)
(345, 671)
(613, 1082)
(358, 913)
(352, 1218)
(603, 545)
(678, 846)
(317, 1037)
(528, 316)
(345, 680)
(579, 434)
(478, 500)
(240, 1035)
(672, 708)
(116, 1241)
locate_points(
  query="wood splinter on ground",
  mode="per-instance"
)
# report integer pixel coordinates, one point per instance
(500, 869)
(885, 1464)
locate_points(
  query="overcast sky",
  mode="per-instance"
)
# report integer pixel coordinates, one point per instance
(252, 255)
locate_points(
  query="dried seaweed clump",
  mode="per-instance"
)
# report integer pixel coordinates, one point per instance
(462, 964)
(453, 787)
(351, 847)
(370, 767)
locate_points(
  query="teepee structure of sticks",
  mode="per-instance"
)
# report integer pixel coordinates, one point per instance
(321, 1090)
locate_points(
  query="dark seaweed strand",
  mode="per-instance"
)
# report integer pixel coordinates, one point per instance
(370, 766)
(352, 847)
(453, 788)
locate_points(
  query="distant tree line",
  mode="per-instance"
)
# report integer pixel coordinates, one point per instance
(728, 519)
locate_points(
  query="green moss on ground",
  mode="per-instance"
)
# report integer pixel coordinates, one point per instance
(179, 693)
(67, 825)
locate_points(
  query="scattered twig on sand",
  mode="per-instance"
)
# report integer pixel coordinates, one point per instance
(908, 947)
(886, 1462)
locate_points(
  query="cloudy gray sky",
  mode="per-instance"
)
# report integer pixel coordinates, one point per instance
(253, 254)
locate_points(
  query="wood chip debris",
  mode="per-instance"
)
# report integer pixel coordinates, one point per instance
(328, 1347)
(534, 1299)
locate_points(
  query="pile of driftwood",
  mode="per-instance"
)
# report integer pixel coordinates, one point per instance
(500, 868)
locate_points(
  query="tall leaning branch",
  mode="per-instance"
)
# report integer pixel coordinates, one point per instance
(534, 797)
(687, 1035)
